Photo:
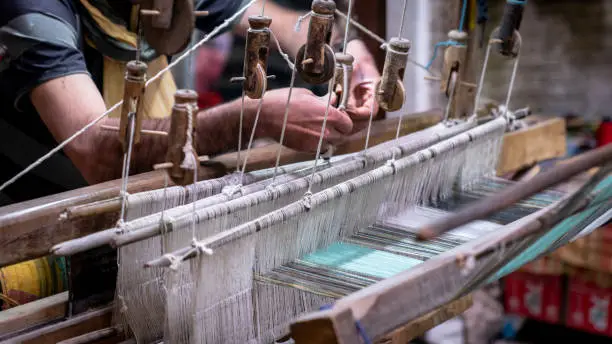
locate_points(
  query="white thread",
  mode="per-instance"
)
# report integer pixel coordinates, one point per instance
(188, 161)
(175, 261)
(348, 23)
(401, 28)
(248, 152)
(367, 141)
(201, 248)
(330, 89)
(126, 166)
(282, 53)
(469, 265)
(298, 24)
(283, 129)
(206, 38)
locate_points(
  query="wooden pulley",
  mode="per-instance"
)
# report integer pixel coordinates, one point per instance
(179, 166)
(390, 93)
(315, 59)
(342, 81)
(454, 58)
(256, 56)
(133, 96)
(167, 24)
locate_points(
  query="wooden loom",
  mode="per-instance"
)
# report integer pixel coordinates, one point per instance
(37, 225)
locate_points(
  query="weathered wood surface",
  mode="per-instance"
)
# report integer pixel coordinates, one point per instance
(428, 321)
(541, 141)
(34, 313)
(70, 328)
(29, 229)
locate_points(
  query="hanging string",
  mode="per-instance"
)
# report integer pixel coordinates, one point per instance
(348, 24)
(248, 151)
(126, 169)
(401, 28)
(330, 91)
(63, 144)
(284, 127)
(263, 7)
(367, 140)
(450, 42)
(238, 161)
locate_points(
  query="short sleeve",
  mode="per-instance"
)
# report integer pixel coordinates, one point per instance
(42, 61)
(218, 12)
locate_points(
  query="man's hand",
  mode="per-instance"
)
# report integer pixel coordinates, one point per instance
(306, 113)
(365, 76)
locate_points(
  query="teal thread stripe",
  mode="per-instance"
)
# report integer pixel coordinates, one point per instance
(604, 192)
(361, 260)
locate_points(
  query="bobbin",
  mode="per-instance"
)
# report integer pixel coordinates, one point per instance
(315, 59)
(184, 101)
(390, 93)
(454, 58)
(342, 81)
(508, 29)
(256, 56)
(133, 97)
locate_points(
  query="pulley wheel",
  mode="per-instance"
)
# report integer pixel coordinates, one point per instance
(260, 83)
(175, 38)
(316, 78)
(395, 102)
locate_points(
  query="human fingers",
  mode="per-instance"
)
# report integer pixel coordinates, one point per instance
(339, 121)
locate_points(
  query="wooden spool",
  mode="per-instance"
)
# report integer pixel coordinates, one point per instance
(343, 80)
(315, 60)
(183, 99)
(168, 30)
(133, 97)
(390, 88)
(256, 56)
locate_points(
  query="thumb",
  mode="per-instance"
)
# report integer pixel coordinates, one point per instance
(340, 121)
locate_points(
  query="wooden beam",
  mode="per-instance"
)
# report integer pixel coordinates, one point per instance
(417, 327)
(544, 139)
(29, 229)
(33, 314)
(69, 328)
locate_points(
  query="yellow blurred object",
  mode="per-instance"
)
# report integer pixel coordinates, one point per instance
(29, 281)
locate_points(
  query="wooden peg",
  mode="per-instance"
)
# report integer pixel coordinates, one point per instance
(133, 96)
(454, 58)
(142, 132)
(315, 59)
(390, 89)
(256, 56)
(344, 71)
(167, 24)
(200, 13)
(184, 101)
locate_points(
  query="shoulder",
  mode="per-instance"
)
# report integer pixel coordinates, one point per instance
(62, 9)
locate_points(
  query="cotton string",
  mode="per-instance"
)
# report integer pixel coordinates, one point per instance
(126, 169)
(214, 32)
(330, 90)
(240, 121)
(283, 129)
(367, 140)
(348, 24)
(263, 7)
(248, 151)
(449, 42)
(401, 28)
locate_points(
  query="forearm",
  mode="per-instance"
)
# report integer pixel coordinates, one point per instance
(219, 126)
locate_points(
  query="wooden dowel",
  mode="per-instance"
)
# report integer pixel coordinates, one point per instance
(517, 192)
(143, 131)
(200, 13)
(92, 336)
(145, 12)
(90, 209)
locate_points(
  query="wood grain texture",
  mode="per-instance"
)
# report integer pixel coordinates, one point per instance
(34, 313)
(70, 328)
(428, 321)
(543, 140)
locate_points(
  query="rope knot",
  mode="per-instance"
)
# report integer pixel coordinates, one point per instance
(231, 190)
(201, 248)
(175, 261)
(307, 200)
(298, 24)
(190, 160)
